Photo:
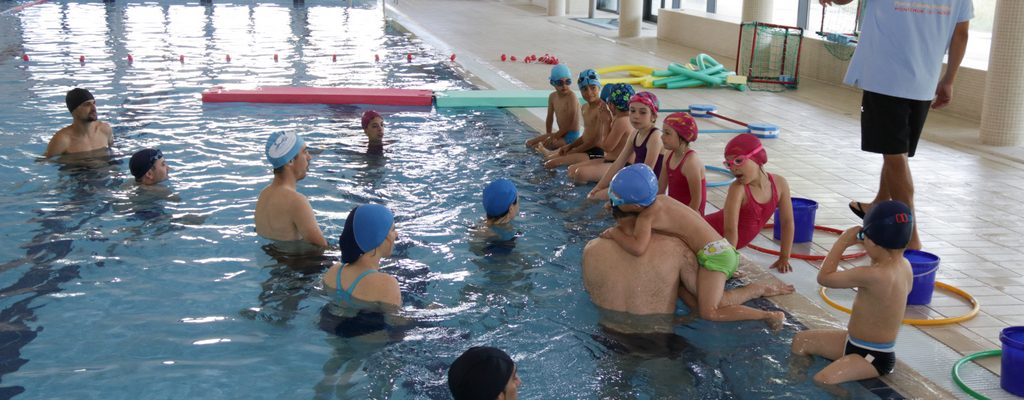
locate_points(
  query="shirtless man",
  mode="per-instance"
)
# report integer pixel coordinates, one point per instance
(282, 213)
(86, 132)
(597, 121)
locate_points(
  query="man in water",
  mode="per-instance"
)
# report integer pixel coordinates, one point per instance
(148, 167)
(86, 132)
(484, 373)
(282, 213)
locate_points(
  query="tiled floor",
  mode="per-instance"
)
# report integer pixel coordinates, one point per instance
(969, 197)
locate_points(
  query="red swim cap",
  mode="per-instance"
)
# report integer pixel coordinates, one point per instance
(743, 144)
(684, 125)
(368, 117)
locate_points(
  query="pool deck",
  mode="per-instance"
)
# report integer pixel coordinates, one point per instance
(968, 195)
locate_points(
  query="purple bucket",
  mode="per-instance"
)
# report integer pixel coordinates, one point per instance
(925, 264)
(1012, 379)
(803, 220)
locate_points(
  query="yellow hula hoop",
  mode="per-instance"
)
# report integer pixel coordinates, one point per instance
(975, 307)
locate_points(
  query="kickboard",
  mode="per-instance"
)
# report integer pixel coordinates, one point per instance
(320, 95)
(494, 98)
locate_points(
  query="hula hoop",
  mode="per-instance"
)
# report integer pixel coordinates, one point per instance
(720, 170)
(807, 257)
(975, 307)
(956, 371)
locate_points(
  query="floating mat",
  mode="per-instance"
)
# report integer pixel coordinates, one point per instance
(320, 95)
(494, 98)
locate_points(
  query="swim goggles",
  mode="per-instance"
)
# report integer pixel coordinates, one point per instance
(561, 82)
(901, 218)
(156, 156)
(735, 162)
(588, 78)
(615, 200)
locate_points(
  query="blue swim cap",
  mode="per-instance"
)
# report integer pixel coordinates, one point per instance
(588, 77)
(619, 95)
(366, 227)
(559, 72)
(498, 197)
(889, 224)
(635, 184)
(282, 147)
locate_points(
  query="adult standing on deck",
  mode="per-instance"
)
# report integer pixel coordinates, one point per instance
(86, 132)
(897, 63)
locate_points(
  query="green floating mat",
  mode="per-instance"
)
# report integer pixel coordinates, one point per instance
(493, 98)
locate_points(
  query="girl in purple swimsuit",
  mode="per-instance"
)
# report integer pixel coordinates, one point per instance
(644, 145)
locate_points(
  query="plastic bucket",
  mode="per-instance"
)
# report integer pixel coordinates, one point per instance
(803, 220)
(925, 264)
(1012, 379)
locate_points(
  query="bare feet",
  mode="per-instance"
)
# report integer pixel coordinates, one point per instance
(777, 289)
(739, 274)
(775, 320)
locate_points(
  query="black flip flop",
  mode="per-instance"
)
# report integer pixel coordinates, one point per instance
(859, 210)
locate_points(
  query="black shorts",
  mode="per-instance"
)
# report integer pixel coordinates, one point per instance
(595, 152)
(891, 125)
(883, 361)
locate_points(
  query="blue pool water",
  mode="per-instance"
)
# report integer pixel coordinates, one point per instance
(107, 291)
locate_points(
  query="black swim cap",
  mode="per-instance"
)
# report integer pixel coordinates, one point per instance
(76, 97)
(889, 224)
(142, 161)
(481, 373)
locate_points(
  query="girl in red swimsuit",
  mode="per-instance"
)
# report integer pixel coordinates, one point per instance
(752, 198)
(683, 172)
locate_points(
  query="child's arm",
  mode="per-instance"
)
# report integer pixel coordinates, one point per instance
(635, 245)
(624, 154)
(550, 121)
(830, 276)
(654, 148)
(786, 215)
(694, 171)
(733, 201)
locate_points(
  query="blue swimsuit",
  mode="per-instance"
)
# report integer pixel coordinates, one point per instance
(346, 295)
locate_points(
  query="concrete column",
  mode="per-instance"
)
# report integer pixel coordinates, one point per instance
(631, 14)
(757, 10)
(1002, 120)
(556, 8)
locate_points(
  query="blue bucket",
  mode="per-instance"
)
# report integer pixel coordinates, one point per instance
(1012, 379)
(925, 264)
(803, 220)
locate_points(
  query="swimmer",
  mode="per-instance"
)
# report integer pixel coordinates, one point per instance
(484, 373)
(148, 167)
(563, 106)
(617, 97)
(597, 121)
(753, 198)
(501, 202)
(368, 236)
(373, 127)
(634, 190)
(86, 132)
(865, 349)
(683, 174)
(282, 213)
(643, 113)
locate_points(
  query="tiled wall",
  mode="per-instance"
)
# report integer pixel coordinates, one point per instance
(719, 37)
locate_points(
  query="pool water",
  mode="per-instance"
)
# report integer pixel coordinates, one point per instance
(109, 291)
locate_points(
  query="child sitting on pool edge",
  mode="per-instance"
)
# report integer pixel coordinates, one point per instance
(865, 349)
(683, 173)
(616, 96)
(564, 107)
(743, 216)
(597, 119)
(634, 190)
(643, 113)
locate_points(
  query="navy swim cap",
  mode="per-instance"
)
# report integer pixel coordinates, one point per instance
(635, 184)
(366, 227)
(889, 224)
(76, 97)
(499, 197)
(480, 373)
(142, 161)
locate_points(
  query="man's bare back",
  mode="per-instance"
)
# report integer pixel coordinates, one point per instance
(643, 285)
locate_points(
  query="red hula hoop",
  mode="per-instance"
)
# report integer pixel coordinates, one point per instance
(808, 257)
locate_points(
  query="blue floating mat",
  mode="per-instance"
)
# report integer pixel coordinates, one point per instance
(493, 98)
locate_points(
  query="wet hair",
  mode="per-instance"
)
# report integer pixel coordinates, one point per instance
(514, 202)
(619, 214)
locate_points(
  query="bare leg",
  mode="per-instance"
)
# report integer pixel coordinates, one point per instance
(589, 172)
(711, 289)
(753, 291)
(851, 367)
(896, 173)
(567, 159)
(828, 343)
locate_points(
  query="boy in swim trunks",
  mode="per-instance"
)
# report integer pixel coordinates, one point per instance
(597, 121)
(865, 349)
(564, 107)
(634, 189)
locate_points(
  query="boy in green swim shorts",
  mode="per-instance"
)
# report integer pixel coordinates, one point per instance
(635, 190)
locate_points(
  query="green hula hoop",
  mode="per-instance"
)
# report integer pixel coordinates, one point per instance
(956, 371)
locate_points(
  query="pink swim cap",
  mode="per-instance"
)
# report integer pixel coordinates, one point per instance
(744, 144)
(684, 125)
(648, 99)
(368, 117)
